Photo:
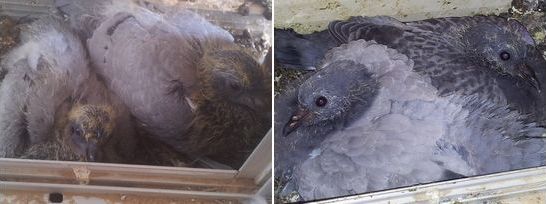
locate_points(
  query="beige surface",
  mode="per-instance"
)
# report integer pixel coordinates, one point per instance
(306, 16)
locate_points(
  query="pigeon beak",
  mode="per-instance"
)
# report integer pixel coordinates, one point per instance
(91, 157)
(527, 74)
(91, 151)
(295, 121)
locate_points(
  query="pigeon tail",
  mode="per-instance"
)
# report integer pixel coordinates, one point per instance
(296, 51)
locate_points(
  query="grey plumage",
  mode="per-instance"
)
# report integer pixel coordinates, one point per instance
(36, 75)
(145, 82)
(48, 80)
(392, 129)
(490, 56)
(184, 79)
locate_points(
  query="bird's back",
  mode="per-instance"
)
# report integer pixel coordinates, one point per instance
(150, 61)
(440, 51)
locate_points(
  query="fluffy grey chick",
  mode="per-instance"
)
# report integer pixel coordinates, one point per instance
(370, 123)
(183, 78)
(49, 95)
(490, 56)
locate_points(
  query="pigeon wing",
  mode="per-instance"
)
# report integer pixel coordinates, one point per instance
(149, 69)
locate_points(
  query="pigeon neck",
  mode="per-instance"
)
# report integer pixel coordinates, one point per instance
(362, 103)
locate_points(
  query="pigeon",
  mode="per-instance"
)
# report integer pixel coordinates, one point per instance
(183, 78)
(53, 106)
(490, 56)
(97, 128)
(366, 121)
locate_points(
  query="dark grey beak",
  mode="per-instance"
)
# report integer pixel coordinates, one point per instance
(295, 121)
(91, 152)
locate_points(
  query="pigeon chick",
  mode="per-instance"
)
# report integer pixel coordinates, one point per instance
(51, 102)
(80, 135)
(184, 79)
(370, 123)
(89, 132)
(490, 56)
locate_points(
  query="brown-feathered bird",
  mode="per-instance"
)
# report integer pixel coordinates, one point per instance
(94, 127)
(79, 135)
(183, 78)
(229, 121)
(52, 106)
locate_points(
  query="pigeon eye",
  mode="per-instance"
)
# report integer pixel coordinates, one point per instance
(321, 101)
(504, 55)
(234, 86)
(76, 131)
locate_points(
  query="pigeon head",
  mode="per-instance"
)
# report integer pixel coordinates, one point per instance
(88, 128)
(235, 78)
(331, 95)
(508, 48)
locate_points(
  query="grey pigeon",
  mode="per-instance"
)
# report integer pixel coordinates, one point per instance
(183, 78)
(490, 56)
(50, 97)
(365, 121)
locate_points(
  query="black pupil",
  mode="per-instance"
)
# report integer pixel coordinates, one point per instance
(321, 101)
(76, 131)
(505, 55)
(234, 86)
